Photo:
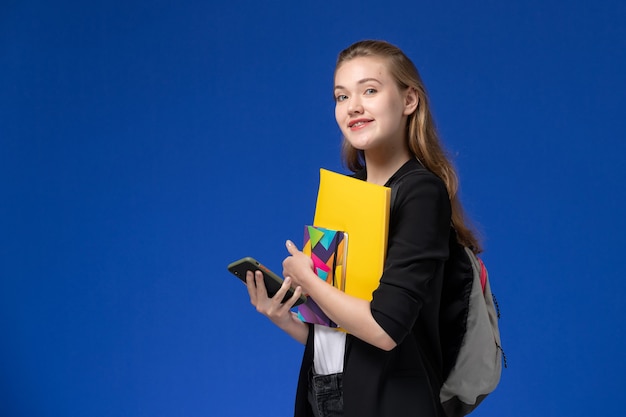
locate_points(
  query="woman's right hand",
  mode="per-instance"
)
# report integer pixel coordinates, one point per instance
(271, 307)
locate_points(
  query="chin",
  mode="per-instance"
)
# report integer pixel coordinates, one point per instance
(361, 145)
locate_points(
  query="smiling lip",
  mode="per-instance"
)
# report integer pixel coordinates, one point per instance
(358, 123)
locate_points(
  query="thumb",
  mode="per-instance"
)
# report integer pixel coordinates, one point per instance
(291, 248)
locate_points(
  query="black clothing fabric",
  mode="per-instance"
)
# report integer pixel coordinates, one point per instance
(405, 381)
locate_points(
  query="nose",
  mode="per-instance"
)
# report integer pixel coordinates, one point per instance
(355, 106)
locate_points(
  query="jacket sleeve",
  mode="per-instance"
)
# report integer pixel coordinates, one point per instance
(416, 251)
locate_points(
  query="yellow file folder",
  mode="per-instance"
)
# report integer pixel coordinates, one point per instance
(360, 209)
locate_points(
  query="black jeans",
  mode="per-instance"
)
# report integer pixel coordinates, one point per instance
(326, 394)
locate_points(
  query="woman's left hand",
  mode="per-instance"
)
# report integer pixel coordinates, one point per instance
(298, 266)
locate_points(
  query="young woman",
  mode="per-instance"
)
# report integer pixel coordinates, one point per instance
(389, 361)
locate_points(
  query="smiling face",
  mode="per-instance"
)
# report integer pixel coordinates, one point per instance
(370, 109)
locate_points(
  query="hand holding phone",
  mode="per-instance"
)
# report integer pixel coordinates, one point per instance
(272, 281)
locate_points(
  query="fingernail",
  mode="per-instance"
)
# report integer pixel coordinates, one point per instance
(289, 243)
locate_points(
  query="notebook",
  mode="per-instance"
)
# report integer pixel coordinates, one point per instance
(327, 249)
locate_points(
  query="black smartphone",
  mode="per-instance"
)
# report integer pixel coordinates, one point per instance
(272, 281)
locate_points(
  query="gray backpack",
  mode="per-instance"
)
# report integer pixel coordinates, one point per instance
(469, 330)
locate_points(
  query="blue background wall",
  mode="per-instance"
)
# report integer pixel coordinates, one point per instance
(144, 145)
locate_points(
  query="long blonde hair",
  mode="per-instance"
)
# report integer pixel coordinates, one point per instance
(422, 137)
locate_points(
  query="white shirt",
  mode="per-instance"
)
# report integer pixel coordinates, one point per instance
(329, 347)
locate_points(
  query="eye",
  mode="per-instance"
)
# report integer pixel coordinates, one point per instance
(370, 91)
(341, 97)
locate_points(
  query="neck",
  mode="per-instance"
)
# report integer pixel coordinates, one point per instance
(380, 167)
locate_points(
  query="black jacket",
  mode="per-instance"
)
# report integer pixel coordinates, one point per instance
(406, 380)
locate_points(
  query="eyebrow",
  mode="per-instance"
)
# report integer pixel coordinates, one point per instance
(363, 81)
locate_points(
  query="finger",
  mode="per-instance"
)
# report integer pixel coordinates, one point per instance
(289, 304)
(251, 286)
(291, 248)
(261, 289)
(284, 287)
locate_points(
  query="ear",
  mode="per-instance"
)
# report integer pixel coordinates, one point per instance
(411, 100)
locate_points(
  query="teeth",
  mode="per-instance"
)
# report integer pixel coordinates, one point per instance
(358, 124)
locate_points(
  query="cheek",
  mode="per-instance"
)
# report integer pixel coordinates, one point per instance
(338, 118)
